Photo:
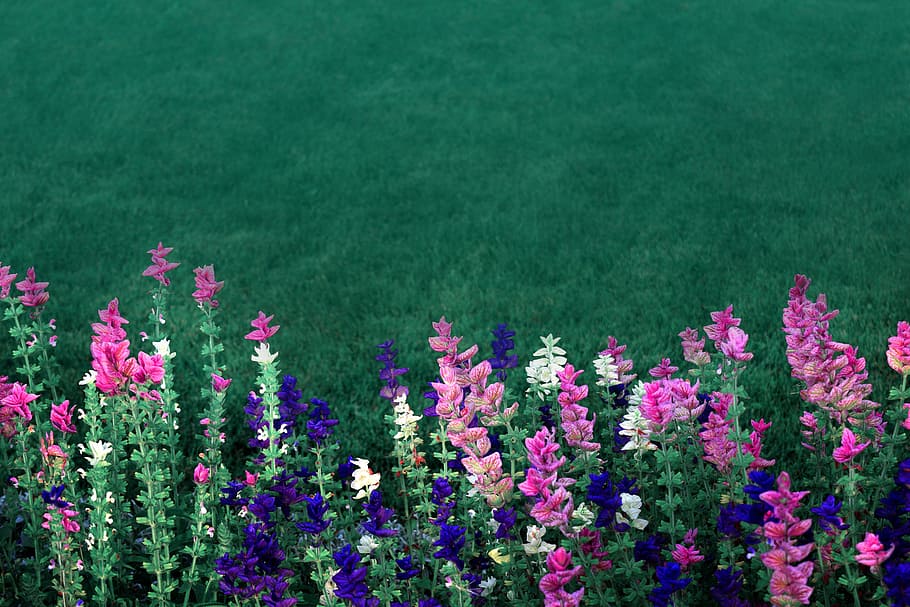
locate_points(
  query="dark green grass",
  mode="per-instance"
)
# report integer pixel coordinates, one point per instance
(359, 169)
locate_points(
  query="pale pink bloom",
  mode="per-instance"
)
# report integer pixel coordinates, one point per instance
(201, 474)
(263, 331)
(753, 447)
(789, 577)
(160, 265)
(50, 451)
(848, 448)
(623, 365)
(220, 384)
(723, 321)
(33, 292)
(871, 551)
(206, 286)
(52, 340)
(735, 345)
(898, 353)
(719, 449)
(62, 417)
(578, 430)
(6, 280)
(694, 348)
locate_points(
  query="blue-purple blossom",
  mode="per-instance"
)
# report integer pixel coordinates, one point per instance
(430, 411)
(729, 584)
(289, 406)
(232, 494)
(502, 344)
(648, 550)
(442, 490)
(316, 509)
(350, 580)
(668, 576)
(54, 497)
(256, 569)
(262, 507)
(255, 411)
(602, 493)
(389, 373)
(897, 581)
(827, 514)
(408, 569)
(319, 426)
(450, 542)
(379, 516)
(506, 518)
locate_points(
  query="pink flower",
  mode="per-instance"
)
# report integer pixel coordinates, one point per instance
(657, 405)
(542, 448)
(220, 384)
(719, 449)
(560, 574)
(160, 265)
(52, 341)
(906, 423)
(723, 321)
(686, 556)
(149, 369)
(789, 577)
(694, 348)
(735, 345)
(898, 353)
(62, 417)
(110, 328)
(578, 430)
(848, 448)
(113, 364)
(17, 400)
(201, 474)
(250, 478)
(664, 370)
(623, 365)
(6, 280)
(33, 294)
(263, 331)
(206, 286)
(872, 552)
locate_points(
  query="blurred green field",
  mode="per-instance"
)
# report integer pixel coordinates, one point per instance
(359, 169)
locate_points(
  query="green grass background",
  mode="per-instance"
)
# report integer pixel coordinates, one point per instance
(360, 168)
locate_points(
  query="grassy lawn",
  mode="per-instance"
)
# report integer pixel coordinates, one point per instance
(359, 169)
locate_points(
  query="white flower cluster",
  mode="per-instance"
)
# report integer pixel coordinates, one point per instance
(365, 480)
(535, 543)
(606, 370)
(631, 508)
(638, 430)
(406, 420)
(542, 371)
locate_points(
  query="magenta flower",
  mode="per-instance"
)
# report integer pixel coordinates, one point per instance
(735, 345)
(848, 448)
(220, 384)
(160, 265)
(149, 369)
(6, 280)
(33, 293)
(113, 364)
(754, 446)
(560, 574)
(686, 556)
(207, 287)
(723, 322)
(263, 331)
(15, 404)
(871, 551)
(664, 370)
(898, 353)
(719, 449)
(110, 328)
(62, 417)
(201, 474)
(657, 405)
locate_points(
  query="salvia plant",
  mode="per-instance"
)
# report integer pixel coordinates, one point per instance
(559, 480)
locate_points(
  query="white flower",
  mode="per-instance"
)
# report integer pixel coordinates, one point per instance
(163, 348)
(90, 541)
(606, 370)
(541, 372)
(638, 430)
(365, 480)
(100, 451)
(535, 543)
(487, 586)
(631, 506)
(367, 544)
(89, 378)
(263, 355)
(582, 517)
(638, 391)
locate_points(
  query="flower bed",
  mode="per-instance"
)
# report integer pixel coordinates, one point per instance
(508, 488)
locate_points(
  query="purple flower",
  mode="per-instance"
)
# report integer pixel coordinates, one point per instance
(602, 493)
(232, 494)
(648, 551)
(389, 372)
(897, 580)
(408, 569)
(502, 343)
(255, 411)
(670, 582)
(350, 579)
(54, 497)
(729, 583)
(450, 542)
(316, 509)
(346, 469)
(827, 513)
(319, 426)
(432, 395)
(379, 516)
(289, 406)
(262, 507)
(506, 519)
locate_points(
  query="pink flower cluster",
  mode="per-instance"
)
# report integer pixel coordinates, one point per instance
(623, 365)
(554, 506)
(666, 400)
(114, 367)
(871, 552)
(832, 372)
(687, 554)
(14, 403)
(263, 331)
(160, 265)
(790, 571)
(458, 411)
(728, 338)
(33, 292)
(694, 348)
(6, 280)
(559, 574)
(719, 450)
(578, 430)
(62, 417)
(206, 286)
(898, 353)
